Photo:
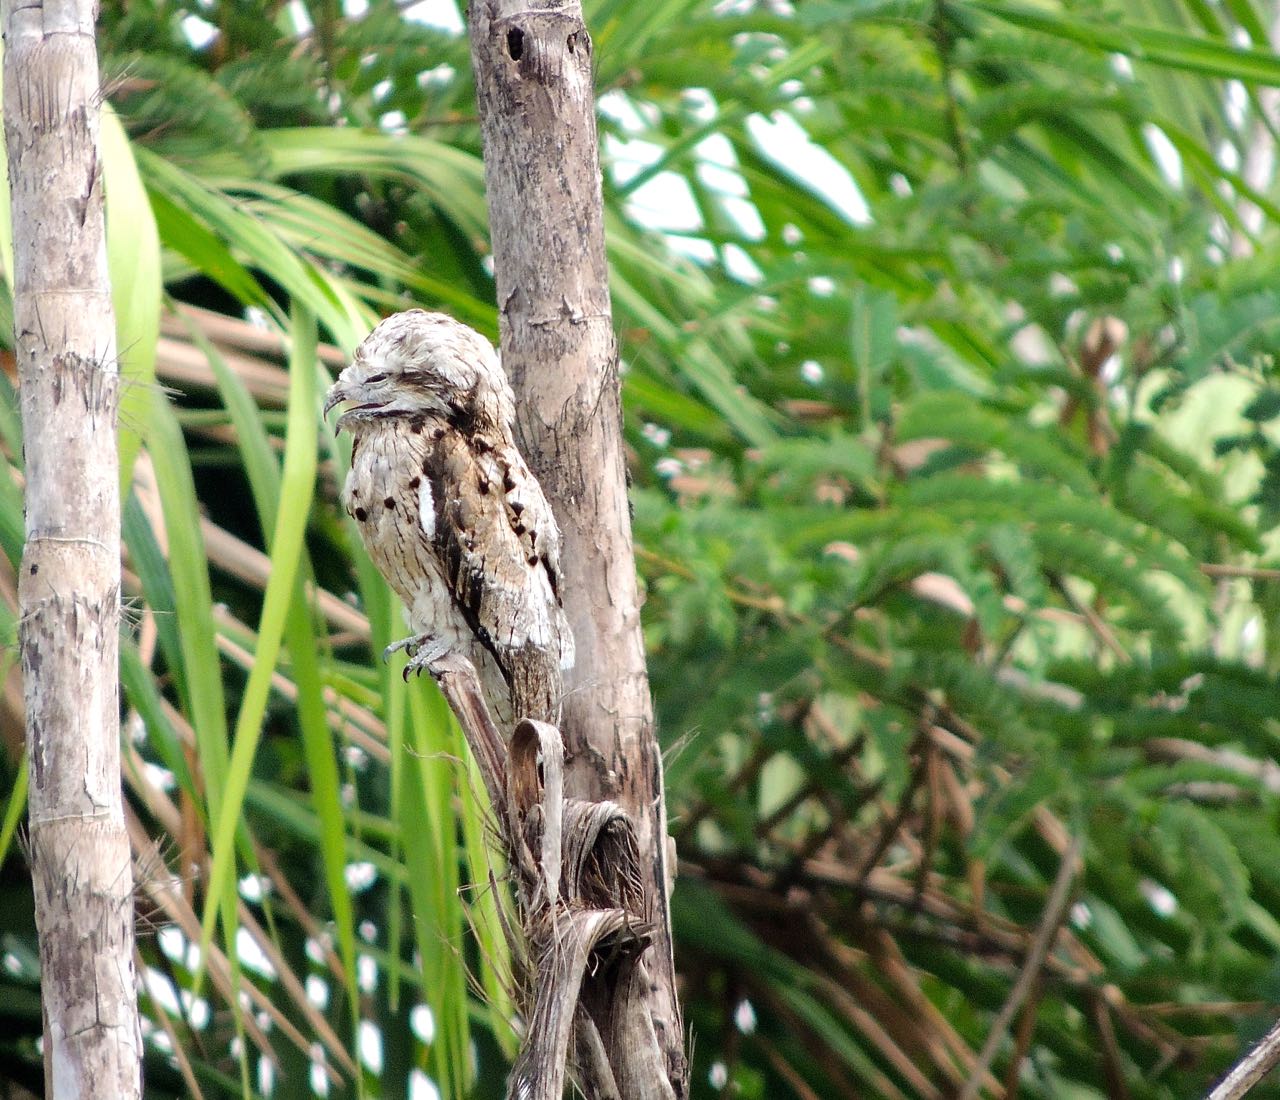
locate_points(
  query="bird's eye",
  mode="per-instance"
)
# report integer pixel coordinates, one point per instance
(373, 378)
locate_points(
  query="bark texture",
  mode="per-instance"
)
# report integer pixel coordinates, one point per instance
(537, 108)
(69, 589)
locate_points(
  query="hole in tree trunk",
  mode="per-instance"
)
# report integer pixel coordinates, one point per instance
(515, 43)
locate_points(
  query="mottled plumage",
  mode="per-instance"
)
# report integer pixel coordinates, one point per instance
(450, 512)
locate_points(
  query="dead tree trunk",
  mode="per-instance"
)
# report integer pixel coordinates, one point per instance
(537, 108)
(69, 591)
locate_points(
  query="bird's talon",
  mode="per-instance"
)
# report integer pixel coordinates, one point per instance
(413, 645)
(425, 654)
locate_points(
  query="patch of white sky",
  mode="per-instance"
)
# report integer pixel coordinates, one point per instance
(1237, 104)
(252, 957)
(421, 1087)
(199, 32)
(318, 1078)
(423, 1024)
(266, 1077)
(1162, 150)
(369, 1042)
(665, 201)
(174, 1001)
(444, 15)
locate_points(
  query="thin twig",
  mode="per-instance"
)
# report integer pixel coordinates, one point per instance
(1253, 573)
(1096, 623)
(1251, 1069)
(1022, 1039)
(1111, 1064)
(1055, 909)
(890, 828)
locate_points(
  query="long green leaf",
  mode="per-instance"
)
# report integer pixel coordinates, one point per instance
(133, 256)
(1153, 44)
(297, 488)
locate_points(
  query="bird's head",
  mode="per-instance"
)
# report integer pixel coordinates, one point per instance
(418, 363)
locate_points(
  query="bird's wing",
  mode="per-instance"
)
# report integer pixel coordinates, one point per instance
(492, 531)
(532, 520)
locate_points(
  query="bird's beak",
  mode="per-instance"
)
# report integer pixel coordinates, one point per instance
(338, 393)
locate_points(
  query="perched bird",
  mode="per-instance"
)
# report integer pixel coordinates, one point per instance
(451, 514)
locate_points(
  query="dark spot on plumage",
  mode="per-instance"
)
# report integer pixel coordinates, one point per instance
(453, 562)
(461, 417)
(438, 434)
(516, 507)
(389, 503)
(483, 486)
(519, 528)
(481, 445)
(533, 538)
(533, 559)
(414, 482)
(507, 483)
(360, 514)
(475, 593)
(354, 491)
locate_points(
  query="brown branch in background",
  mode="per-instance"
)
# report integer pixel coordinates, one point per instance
(1112, 1066)
(786, 1070)
(251, 565)
(1022, 1037)
(1173, 749)
(932, 817)
(1055, 911)
(891, 827)
(1214, 569)
(1096, 624)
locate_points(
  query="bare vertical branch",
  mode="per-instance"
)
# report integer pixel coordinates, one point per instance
(534, 85)
(69, 591)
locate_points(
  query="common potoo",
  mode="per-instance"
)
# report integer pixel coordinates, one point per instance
(451, 514)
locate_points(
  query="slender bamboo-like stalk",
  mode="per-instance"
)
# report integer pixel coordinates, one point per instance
(537, 108)
(69, 590)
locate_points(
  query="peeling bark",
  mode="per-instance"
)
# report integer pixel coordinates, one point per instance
(537, 109)
(69, 587)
